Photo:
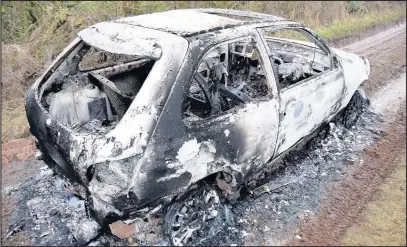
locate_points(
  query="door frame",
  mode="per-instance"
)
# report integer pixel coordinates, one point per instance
(271, 81)
(319, 42)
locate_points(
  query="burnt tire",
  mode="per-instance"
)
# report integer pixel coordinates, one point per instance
(354, 109)
(187, 219)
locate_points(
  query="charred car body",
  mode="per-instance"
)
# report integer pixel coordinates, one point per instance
(136, 110)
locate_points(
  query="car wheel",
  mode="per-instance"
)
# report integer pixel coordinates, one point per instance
(187, 218)
(354, 109)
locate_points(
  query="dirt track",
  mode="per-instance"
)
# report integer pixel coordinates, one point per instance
(324, 214)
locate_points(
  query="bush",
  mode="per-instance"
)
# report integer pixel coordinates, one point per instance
(353, 7)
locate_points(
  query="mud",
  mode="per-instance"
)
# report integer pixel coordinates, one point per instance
(386, 53)
(17, 149)
(39, 210)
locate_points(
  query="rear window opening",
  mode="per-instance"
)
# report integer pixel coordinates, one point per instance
(95, 58)
(92, 89)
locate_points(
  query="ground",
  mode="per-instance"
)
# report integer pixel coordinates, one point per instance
(382, 224)
(341, 180)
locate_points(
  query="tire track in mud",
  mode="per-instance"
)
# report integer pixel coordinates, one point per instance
(387, 101)
(269, 219)
(367, 45)
(386, 55)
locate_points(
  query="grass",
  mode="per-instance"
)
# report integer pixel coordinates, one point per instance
(346, 27)
(385, 219)
(18, 65)
(34, 32)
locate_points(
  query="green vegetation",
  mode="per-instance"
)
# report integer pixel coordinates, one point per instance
(345, 27)
(385, 221)
(34, 32)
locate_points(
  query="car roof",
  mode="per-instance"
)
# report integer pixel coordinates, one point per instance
(188, 22)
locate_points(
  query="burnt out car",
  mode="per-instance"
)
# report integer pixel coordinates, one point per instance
(137, 112)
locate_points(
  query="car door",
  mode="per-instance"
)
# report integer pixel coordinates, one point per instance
(243, 136)
(306, 104)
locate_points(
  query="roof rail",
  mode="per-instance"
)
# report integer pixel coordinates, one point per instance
(239, 13)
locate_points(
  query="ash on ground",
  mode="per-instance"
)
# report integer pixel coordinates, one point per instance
(48, 214)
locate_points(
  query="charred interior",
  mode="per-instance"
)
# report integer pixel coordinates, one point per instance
(294, 63)
(227, 76)
(92, 89)
(293, 60)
